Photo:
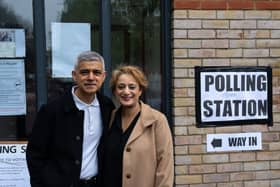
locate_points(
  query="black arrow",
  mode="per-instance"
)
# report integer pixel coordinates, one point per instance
(216, 143)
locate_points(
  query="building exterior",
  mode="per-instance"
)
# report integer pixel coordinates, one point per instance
(223, 33)
(168, 39)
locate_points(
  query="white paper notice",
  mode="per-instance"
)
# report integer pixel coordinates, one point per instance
(12, 43)
(13, 167)
(68, 40)
(12, 88)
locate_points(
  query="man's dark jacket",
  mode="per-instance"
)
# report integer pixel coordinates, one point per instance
(54, 150)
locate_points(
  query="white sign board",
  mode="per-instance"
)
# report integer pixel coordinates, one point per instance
(234, 142)
(233, 95)
(12, 87)
(13, 167)
(68, 40)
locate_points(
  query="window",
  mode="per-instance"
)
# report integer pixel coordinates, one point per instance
(18, 14)
(136, 40)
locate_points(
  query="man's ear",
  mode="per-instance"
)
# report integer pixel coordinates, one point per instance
(104, 75)
(74, 75)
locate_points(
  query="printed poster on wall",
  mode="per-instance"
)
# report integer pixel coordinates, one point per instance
(13, 167)
(233, 95)
(12, 43)
(12, 87)
(68, 40)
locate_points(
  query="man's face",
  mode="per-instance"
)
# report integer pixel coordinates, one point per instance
(89, 77)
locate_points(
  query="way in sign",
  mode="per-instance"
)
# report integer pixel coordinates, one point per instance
(234, 142)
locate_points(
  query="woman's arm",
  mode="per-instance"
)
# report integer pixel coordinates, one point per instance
(165, 158)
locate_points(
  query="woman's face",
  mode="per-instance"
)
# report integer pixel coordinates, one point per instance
(127, 90)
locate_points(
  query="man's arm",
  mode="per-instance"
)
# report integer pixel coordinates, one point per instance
(37, 153)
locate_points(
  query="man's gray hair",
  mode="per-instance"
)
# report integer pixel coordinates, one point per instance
(90, 56)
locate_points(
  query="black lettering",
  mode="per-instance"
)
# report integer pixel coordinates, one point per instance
(227, 108)
(209, 79)
(218, 107)
(235, 83)
(220, 83)
(207, 106)
(236, 107)
(237, 141)
(251, 83)
(232, 141)
(8, 149)
(253, 141)
(244, 108)
(13, 149)
(252, 108)
(261, 83)
(262, 107)
(4, 149)
(243, 141)
(229, 88)
(242, 82)
(23, 149)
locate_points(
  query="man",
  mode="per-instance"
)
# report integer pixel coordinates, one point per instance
(62, 148)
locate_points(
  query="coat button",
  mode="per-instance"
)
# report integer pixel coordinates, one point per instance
(78, 137)
(128, 149)
(128, 176)
(77, 162)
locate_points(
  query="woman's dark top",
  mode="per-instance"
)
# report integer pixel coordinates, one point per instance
(113, 158)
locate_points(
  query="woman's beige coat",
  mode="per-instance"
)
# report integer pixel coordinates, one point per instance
(148, 155)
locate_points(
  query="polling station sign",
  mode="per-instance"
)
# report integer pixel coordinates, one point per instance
(13, 167)
(233, 95)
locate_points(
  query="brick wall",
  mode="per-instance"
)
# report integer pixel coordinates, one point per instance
(224, 33)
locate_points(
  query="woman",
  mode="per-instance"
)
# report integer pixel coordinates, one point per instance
(138, 148)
